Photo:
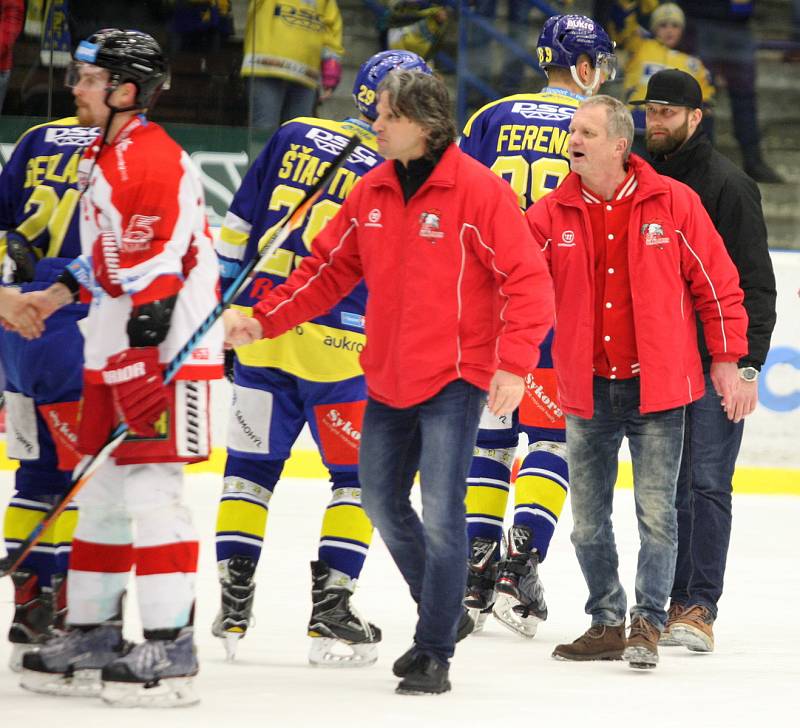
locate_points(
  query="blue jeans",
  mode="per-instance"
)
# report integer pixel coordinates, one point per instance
(435, 437)
(655, 442)
(710, 448)
(275, 100)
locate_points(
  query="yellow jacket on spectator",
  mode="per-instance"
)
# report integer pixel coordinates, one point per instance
(290, 38)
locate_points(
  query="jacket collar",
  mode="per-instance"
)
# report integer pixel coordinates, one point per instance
(444, 174)
(695, 152)
(649, 183)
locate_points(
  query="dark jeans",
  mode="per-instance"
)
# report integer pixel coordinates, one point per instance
(435, 437)
(593, 446)
(710, 448)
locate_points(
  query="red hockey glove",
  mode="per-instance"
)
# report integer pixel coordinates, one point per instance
(331, 73)
(138, 388)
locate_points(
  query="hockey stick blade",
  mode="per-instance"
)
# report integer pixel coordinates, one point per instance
(90, 464)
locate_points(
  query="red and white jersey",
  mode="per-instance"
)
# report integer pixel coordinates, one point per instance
(145, 237)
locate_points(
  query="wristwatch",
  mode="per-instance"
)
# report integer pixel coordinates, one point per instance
(748, 374)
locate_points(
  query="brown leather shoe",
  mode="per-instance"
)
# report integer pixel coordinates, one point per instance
(675, 610)
(641, 650)
(599, 642)
(694, 629)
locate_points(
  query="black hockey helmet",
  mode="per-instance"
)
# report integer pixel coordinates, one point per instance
(131, 56)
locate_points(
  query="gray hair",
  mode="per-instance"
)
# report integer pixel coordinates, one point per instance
(619, 123)
(423, 99)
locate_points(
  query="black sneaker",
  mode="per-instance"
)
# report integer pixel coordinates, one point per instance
(426, 676)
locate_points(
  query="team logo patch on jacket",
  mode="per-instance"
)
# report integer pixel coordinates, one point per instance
(429, 224)
(653, 234)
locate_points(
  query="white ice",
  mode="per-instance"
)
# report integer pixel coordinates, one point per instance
(498, 678)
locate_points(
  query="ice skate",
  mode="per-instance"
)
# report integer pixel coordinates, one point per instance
(236, 612)
(520, 604)
(70, 664)
(158, 673)
(340, 636)
(481, 574)
(31, 625)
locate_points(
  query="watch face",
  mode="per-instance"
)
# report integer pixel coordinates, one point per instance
(749, 374)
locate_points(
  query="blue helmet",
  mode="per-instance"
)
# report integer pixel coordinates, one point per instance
(374, 70)
(565, 37)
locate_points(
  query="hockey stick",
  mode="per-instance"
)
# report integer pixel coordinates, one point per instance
(90, 464)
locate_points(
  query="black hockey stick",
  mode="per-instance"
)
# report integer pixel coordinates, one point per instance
(89, 465)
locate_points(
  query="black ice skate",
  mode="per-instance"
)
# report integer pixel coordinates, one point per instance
(158, 673)
(236, 612)
(340, 636)
(31, 625)
(481, 576)
(520, 604)
(70, 663)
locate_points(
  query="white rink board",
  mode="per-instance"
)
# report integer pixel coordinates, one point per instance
(771, 432)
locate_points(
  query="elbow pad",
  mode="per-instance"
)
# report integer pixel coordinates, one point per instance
(149, 323)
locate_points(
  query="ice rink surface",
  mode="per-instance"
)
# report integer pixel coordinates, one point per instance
(498, 678)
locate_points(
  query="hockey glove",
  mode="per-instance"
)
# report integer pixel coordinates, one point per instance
(23, 257)
(137, 386)
(331, 73)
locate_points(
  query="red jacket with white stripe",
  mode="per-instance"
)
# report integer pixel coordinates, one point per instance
(678, 264)
(457, 287)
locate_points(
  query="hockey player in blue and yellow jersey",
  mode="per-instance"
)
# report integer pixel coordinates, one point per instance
(308, 375)
(38, 237)
(523, 138)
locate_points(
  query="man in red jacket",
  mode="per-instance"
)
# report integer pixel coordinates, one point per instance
(459, 299)
(633, 256)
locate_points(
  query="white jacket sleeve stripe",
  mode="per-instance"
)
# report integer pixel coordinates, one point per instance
(713, 290)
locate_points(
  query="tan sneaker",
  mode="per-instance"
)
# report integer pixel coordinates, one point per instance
(641, 649)
(599, 642)
(675, 610)
(694, 629)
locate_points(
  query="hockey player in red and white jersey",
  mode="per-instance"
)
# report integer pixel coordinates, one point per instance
(149, 265)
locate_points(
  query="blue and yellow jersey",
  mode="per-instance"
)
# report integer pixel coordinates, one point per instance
(38, 193)
(524, 139)
(325, 349)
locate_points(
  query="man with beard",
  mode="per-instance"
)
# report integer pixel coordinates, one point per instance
(681, 149)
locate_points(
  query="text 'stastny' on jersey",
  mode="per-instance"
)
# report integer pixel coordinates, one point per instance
(524, 139)
(326, 348)
(38, 187)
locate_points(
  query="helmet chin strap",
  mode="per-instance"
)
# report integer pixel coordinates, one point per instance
(588, 90)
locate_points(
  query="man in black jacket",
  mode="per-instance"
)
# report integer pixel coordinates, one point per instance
(681, 149)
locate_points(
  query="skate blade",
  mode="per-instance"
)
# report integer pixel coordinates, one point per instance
(231, 643)
(640, 658)
(19, 651)
(503, 610)
(478, 617)
(328, 652)
(175, 692)
(691, 638)
(81, 684)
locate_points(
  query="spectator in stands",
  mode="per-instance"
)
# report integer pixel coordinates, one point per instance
(287, 61)
(719, 32)
(415, 25)
(648, 55)
(200, 25)
(12, 13)
(680, 149)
